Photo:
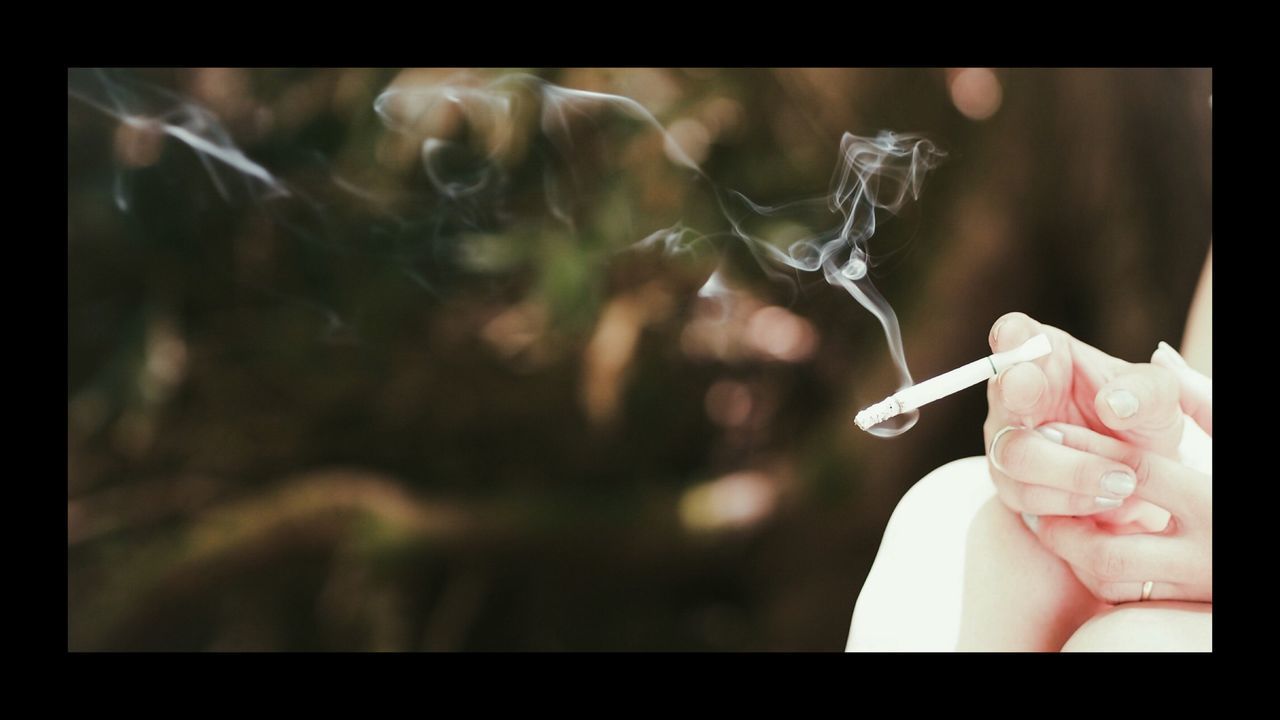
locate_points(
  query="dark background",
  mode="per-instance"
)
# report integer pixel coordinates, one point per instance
(365, 421)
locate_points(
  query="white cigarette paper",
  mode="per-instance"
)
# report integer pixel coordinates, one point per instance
(949, 383)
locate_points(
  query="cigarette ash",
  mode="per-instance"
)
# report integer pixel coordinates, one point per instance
(878, 413)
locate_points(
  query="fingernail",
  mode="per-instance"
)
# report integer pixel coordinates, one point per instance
(1032, 521)
(995, 333)
(1174, 355)
(1052, 434)
(1108, 503)
(1119, 483)
(1123, 403)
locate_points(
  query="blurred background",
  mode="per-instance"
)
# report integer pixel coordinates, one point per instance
(331, 389)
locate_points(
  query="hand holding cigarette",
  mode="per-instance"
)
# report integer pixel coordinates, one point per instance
(1068, 434)
(1039, 374)
(1075, 384)
(949, 383)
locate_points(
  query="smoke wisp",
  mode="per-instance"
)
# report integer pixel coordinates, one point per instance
(481, 146)
(873, 175)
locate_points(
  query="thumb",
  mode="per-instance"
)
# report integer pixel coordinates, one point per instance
(1141, 405)
(1196, 389)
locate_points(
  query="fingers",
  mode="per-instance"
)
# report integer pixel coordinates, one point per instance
(1196, 390)
(1031, 497)
(1109, 557)
(1115, 567)
(1024, 392)
(1159, 480)
(1011, 330)
(1116, 593)
(1040, 500)
(1023, 389)
(1039, 458)
(1141, 404)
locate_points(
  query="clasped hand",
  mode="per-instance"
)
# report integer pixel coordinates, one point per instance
(1092, 450)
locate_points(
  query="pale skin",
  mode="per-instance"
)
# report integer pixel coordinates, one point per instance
(959, 569)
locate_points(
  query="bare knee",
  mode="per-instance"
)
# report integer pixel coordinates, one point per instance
(1147, 627)
(911, 599)
(949, 491)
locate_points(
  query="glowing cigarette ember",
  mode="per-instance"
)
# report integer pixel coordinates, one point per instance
(950, 383)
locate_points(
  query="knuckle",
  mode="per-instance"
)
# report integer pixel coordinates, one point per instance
(1107, 564)
(1014, 452)
(1084, 478)
(1096, 444)
(1142, 469)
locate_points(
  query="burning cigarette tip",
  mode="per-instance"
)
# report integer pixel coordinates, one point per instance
(952, 382)
(878, 413)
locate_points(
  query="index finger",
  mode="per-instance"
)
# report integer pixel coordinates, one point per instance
(1160, 480)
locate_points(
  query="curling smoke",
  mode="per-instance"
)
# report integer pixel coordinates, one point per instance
(152, 109)
(477, 141)
(873, 175)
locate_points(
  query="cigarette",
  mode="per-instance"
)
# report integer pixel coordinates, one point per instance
(952, 382)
